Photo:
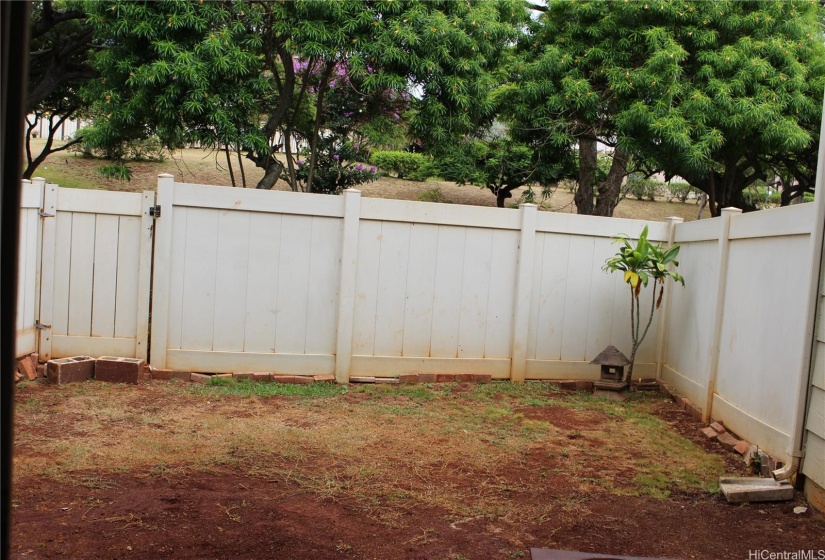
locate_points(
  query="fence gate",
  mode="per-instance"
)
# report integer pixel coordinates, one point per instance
(95, 273)
(28, 268)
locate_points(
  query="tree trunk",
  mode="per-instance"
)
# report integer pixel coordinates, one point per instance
(501, 196)
(610, 191)
(588, 157)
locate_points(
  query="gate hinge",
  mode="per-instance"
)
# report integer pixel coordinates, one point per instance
(154, 211)
(41, 326)
(45, 214)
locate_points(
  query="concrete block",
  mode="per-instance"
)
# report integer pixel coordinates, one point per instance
(262, 376)
(464, 377)
(727, 441)
(710, 433)
(292, 379)
(584, 386)
(445, 378)
(718, 426)
(111, 369)
(324, 378)
(27, 368)
(162, 374)
(199, 378)
(386, 380)
(427, 377)
(41, 370)
(743, 447)
(745, 489)
(483, 378)
(611, 395)
(70, 370)
(362, 379)
(408, 378)
(243, 375)
(182, 375)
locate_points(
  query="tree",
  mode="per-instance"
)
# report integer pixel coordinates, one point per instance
(241, 72)
(61, 43)
(748, 104)
(720, 93)
(581, 66)
(501, 165)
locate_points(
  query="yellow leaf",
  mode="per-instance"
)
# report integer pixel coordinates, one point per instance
(631, 278)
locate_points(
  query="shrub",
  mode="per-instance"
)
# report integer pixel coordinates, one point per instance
(336, 167)
(144, 149)
(432, 195)
(402, 164)
(642, 188)
(679, 190)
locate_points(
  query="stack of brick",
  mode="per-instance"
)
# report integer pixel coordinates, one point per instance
(27, 368)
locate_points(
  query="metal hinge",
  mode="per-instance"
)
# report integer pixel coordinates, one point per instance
(45, 214)
(41, 326)
(154, 211)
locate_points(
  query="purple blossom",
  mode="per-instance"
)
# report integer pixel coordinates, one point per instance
(336, 157)
(299, 162)
(359, 167)
(373, 169)
(347, 115)
(395, 116)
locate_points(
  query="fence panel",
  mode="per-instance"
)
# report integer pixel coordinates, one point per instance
(761, 343)
(576, 308)
(28, 268)
(96, 273)
(245, 280)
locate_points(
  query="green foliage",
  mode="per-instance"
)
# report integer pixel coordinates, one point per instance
(115, 171)
(679, 190)
(432, 195)
(337, 167)
(641, 263)
(402, 164)
(642, 188)
(139, 149)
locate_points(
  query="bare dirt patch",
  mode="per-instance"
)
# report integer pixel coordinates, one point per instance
(445, 472)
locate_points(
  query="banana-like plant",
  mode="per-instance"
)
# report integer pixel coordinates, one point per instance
(641, 263)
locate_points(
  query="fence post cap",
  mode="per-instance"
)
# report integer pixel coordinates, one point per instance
(165, 176)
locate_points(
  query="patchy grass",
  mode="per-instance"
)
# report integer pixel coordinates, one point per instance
(387, 447)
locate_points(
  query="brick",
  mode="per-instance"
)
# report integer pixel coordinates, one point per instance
(70, 370)
(483, 378)
(386, 380)
(324, 378)
(742, 447)
(262, 376)
(727, 441)
(695, 412)
(27, 368)
(567, 385)
(710, 433)
(41, 370)
(408, 378)
(584, 386)
(162, 374)
(199, 378)
(182, 375)
(445, 378)
(35, 358)
(427, 377)
(18, 377)
(718, 427)
(243, 375)
(292, 379)
(465, 377)
(111, 369)
(223, 375)
(685, 403)
(362, 379)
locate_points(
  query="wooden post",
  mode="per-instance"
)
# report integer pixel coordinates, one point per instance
(719, 305)
(523, 292)
(48, 240)
(664, 318)
(144, 276)
(162, 268)
(346, 288)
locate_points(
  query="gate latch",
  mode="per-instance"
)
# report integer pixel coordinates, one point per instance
(154, 211)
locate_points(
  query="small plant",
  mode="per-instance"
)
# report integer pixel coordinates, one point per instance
(403, 164)
(432, 195)
(640, 264)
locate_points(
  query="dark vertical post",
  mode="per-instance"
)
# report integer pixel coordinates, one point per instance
(14, 60)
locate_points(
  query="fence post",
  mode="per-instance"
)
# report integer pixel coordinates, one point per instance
(523, 292)
(159, 337)
(664, 318)
(346, 288)
(48, 241)
(41, 188)
(144, 276)
(719, 306)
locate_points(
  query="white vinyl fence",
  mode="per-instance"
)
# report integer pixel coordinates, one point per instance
(96, 266)
(312, 284)
(28, 270)
(734, 337)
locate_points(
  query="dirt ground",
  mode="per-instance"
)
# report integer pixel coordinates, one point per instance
(67, 505)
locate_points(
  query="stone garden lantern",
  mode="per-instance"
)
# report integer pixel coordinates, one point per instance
(612, 364)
